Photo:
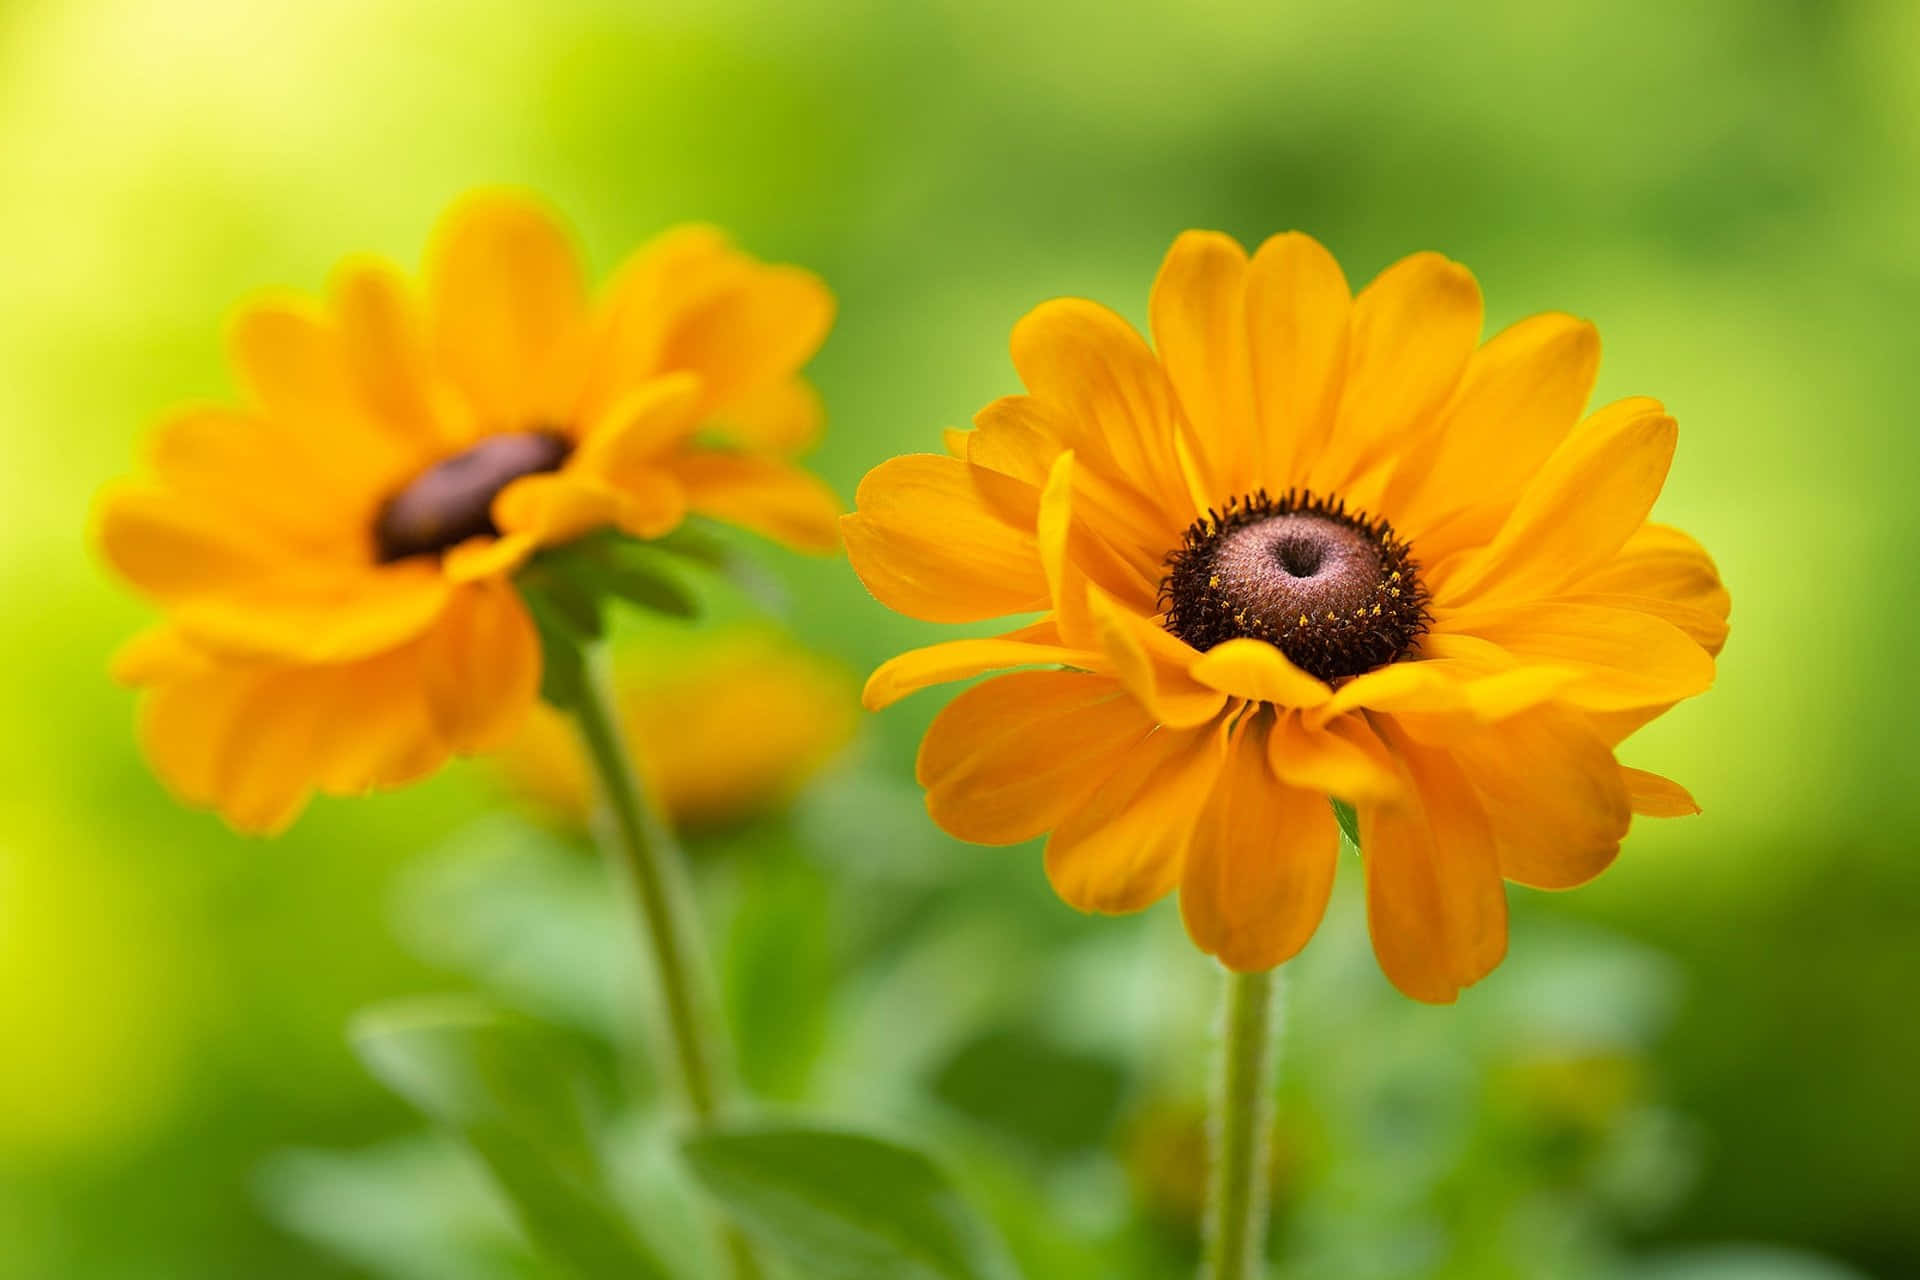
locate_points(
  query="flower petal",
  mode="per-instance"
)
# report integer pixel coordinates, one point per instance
(1260, 865)
(480, 667)
(1413, 330)
(1011, 757)
(1664, 572)
(1108, 393)
(1066, 584)
(1577, 512)
(1621, 658)
(1519, 396)
(751, 336)
(1343, 758)
(1297, 309)
(1655, 796)
(1553, 793)
(388, 361)
(930, 540)
(1255, 670)
(1199, 314)
(1152, 664)
(1122, 849)
(508, 309)
(917, 669)
(768, 495)
(1436, 907)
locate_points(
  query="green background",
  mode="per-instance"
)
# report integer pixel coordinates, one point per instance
(1730, 190)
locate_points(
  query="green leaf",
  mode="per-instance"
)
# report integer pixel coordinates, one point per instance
(563, 659)
(780, 969)
(512, 1092)
(843, 1206)
(1349, 822)
(1050, 1099)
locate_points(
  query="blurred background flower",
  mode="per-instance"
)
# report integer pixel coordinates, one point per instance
(1731, 191)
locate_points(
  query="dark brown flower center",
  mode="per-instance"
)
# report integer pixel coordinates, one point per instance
(452, 501)
(1335, 591)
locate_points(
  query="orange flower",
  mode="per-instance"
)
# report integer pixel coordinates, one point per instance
(1316, 545)
(335, 559)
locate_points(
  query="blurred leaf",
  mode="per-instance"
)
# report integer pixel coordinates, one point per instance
(843, 1206)
(1742, 1262)
(1054, 1100)
(511, 1091)
(780, 972)
(563, 662)
(414, 1209)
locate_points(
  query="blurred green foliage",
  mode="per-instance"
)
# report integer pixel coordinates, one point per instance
(1710, 1047)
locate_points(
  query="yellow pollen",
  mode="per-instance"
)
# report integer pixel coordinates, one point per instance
(1303, 619)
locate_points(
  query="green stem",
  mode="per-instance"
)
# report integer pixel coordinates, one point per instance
(1236, 1222)
(648, 861)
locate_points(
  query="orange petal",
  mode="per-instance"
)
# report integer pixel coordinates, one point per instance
(1553, 792)
(1255, 670)
(1199, 314)
(1152, 664)
(1436, 906)
(508, 309)
(481, 667)
(1664, 572)
(171, 549)
(768, 495)
(1655, 796)
(1519, 396)
(752, 336)
(958, 660)
(931, 542)
(383, 344)
(1109, 394)
(1066, 584)
(1343, 758)
(1260, 865)
(1577, 512)
(782, 417)
(1297, 321)
(641, 429)
(1011, 757)
(1122, 849)
(1413, 330)
(1620, 658)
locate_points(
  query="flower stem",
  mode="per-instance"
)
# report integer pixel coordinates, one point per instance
(649, 863)
(1236, 1223)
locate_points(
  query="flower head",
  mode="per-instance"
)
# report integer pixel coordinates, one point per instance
(334, 558)
(724, 731)
(1308, 545)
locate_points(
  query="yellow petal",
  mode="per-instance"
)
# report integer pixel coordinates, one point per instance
(481, 667)
(508, 309)
(1436, 907)
(1122, 849)
(1260, 865)
(235, 465)
(641, 429)
(383, 344)
(1655, 796)
(1576, 513)
(485, 557)
(160, 655)
(171, 549)
(1412, 332)
(1109, 394)
(1255, 670)
(1664, 572)
(929, 540)
(1152, 664)
(1343, 758)
(382, 734)
(1066, 584)
(556, 507)
(320, 619)
(1199, 314)
(752, 336)
(1297, 305)
(1519, 396)
(1622, 658)
(1011, 757)
(782, 417)
(768, 495)
(958, 660)
(1553, 793)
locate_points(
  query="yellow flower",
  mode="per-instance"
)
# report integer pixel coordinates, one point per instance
(1316, 545)
(334, 559)
(723, 731)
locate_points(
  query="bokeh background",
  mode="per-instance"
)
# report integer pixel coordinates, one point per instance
(1703, 1065)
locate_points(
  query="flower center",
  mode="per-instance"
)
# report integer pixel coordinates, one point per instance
(1335, 591)
(452, 501)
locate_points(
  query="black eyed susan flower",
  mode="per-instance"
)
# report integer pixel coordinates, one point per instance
(1308, 545)
(335, 558)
